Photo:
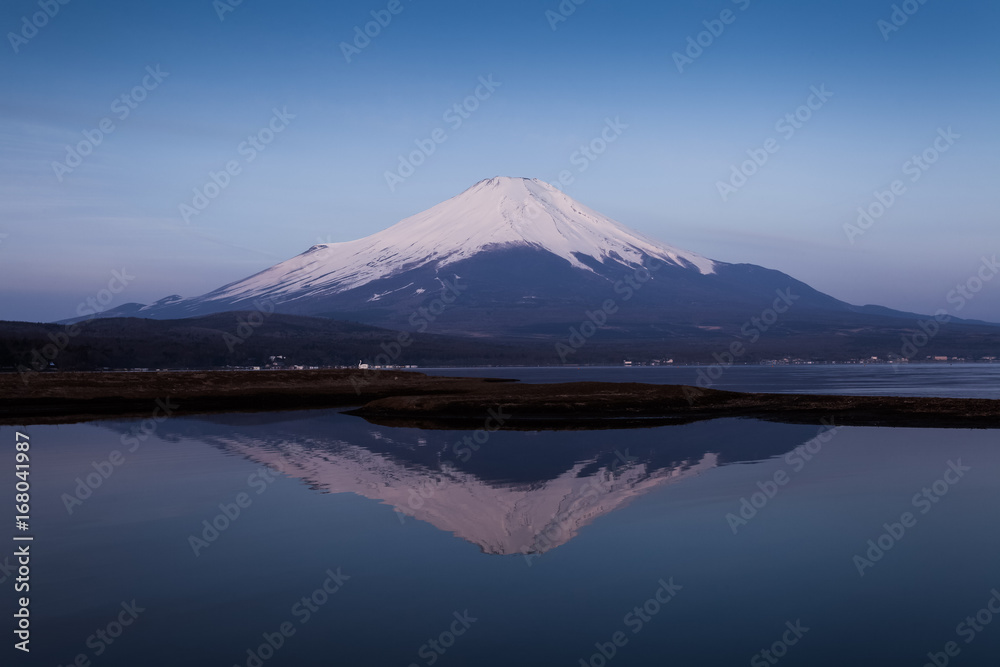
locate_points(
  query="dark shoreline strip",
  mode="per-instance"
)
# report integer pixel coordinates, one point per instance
(396, 398)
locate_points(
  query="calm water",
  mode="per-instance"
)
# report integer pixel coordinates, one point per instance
(954, 380)
(555, 543)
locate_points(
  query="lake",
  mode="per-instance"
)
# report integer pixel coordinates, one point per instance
(315, 538)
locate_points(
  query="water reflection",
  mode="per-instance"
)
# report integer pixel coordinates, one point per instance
(515, 492)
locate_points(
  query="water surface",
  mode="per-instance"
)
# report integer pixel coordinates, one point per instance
(549, 540)
(958, 380)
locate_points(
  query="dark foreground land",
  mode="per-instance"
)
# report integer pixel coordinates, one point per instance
(222, 341)
(396, 398)
(71, 397)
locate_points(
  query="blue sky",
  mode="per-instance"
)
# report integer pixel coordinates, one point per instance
(322, 177)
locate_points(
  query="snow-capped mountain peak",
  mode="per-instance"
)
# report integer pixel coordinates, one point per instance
(495, 213)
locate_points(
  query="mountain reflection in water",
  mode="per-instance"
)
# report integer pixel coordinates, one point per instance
(520, 492)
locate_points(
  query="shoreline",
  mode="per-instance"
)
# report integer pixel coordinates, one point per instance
(413, 399)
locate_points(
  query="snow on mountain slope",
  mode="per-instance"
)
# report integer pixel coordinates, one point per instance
(494, 213)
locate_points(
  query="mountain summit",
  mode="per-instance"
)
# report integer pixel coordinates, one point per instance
(508, 212)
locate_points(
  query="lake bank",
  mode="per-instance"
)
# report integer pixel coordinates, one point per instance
(402, 398)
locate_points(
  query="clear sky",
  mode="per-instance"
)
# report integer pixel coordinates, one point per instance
(67, 221)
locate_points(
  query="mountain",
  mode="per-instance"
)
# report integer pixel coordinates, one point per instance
(518, 258)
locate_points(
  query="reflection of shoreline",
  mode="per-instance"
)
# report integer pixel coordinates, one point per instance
(499, 518)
